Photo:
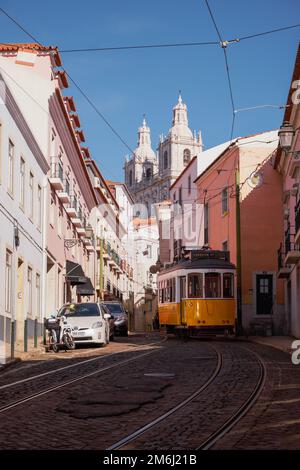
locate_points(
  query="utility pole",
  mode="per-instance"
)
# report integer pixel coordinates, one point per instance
(238, 254)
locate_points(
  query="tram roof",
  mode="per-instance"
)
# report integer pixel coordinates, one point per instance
(200, 263)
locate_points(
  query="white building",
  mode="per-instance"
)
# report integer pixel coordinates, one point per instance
(23, 183)
(146, 245)
(149, 176)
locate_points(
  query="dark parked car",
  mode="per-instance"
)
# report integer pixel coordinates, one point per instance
(119, 317)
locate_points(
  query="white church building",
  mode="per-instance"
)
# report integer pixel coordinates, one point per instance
(149, 175)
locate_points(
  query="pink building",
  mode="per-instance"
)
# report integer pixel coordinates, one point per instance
(240, 183)
(184, 229)
(287, 164)
(33, 74)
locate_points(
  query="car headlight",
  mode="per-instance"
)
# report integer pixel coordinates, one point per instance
(98, 324)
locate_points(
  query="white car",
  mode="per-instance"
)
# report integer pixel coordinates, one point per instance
(89, 322)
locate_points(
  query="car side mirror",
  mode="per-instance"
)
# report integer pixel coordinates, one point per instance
(107, 316)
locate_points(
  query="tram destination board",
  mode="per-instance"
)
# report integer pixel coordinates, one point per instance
(206, 254)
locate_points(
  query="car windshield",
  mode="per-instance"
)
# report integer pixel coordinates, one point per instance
(80, 310)
(115, 309)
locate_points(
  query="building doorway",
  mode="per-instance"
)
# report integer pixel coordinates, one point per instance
(264, 294)
(20, 302)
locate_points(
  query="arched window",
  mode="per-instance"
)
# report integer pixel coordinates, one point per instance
(130, 178)
(186, 156)
(165, 159)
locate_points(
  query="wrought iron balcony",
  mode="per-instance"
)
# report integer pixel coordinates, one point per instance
(72, 207)
(292, 250)
(283, 269)
(64, 194)
(56, 176)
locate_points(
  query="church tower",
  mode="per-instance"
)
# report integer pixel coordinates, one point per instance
(142, 165)
(177, 148)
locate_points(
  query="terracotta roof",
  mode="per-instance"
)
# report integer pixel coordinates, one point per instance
(14, 47)
(150, 221)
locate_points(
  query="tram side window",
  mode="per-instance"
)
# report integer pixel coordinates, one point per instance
(195, 285)
(228, 285)
(172, 290)
(212, 285)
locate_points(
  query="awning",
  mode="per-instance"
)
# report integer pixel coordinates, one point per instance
(86, 288)
(74, 273)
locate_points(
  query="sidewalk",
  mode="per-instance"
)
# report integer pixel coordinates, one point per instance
(284, 343)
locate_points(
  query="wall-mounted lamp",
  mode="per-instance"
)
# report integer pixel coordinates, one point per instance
(286, 135)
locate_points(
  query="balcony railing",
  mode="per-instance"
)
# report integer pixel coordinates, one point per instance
(292, 249)
(280, 257)
(57, 171)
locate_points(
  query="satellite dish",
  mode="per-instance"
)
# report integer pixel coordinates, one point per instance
(256, 180)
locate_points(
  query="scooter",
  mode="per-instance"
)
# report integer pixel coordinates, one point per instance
(59, 333)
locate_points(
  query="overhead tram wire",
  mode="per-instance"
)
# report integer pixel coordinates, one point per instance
(99, 113)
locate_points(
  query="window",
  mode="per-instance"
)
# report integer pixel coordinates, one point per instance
(228, 285)
(31, 180)
(8, 280)
(189, 184)
(205, 223)
(186, 156)
(39, 197)
(212, 285)
(130, 178)
(148, 173)
(22, 182)
(59, 224)
(11, 152)
(38, 294)
(180, 196)
(224, 201)
(195, 285)
(165, 159)
(29, 282)
(225, 246)
(174, 196)
(52, 210)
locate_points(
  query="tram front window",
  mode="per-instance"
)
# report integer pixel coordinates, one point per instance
(212, 285)
(228, 285)
(195, 285)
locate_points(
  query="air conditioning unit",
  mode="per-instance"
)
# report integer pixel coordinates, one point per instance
(97, 184)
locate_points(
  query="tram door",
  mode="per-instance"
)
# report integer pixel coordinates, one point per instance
(182, 281)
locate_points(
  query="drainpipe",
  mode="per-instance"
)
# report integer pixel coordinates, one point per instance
(43, 313)
(238, 254)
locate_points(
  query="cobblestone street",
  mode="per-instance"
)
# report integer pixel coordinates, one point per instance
(93, 398)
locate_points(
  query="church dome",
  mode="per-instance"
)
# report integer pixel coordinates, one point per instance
(180, 126)
(144, 150)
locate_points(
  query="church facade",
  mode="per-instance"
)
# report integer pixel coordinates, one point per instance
(149, 175)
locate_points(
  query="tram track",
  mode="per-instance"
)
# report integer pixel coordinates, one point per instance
(240, 412)
(65, 383)
(223, 428)
(131, 437)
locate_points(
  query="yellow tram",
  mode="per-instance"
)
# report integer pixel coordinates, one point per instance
(197, 294)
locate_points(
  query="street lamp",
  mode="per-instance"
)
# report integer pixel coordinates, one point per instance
(286, 134)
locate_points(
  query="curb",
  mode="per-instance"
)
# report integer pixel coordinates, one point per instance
(10, 363)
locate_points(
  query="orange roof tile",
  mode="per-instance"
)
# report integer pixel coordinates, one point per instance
(14, 47)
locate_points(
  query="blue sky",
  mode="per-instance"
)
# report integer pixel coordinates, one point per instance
(126, 84)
